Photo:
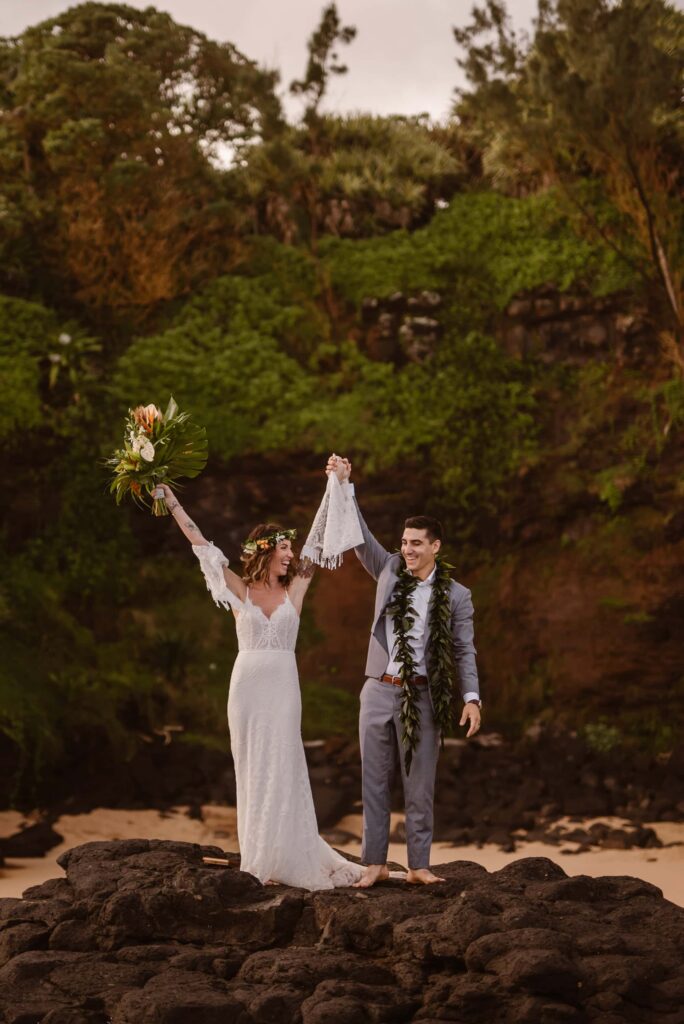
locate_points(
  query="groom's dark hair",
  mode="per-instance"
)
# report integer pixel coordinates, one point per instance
(432, 526)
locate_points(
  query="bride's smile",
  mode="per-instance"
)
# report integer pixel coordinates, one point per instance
(282, 557)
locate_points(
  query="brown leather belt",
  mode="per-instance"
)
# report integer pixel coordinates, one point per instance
(397, 680)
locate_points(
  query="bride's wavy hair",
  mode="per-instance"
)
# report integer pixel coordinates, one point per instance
(255, 566)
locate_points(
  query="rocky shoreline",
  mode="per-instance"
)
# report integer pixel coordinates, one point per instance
(488, 790)
(143, 931)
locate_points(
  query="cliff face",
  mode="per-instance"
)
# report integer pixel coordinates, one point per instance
(581, 607)
(143, 931)
(588, 629)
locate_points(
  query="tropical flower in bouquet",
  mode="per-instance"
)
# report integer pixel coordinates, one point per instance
(158, 448)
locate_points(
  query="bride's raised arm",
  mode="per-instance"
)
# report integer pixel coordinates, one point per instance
(214, 563)
(301, 581)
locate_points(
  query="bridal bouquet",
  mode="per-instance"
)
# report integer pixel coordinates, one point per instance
(158, 448)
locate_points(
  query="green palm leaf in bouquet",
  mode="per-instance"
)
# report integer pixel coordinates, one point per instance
(159, 448)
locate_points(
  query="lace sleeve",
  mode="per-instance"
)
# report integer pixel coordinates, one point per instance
(212, 560)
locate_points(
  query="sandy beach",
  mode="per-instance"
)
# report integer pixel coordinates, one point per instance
(662, 867)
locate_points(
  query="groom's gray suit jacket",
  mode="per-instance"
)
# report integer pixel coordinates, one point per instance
(384, 568)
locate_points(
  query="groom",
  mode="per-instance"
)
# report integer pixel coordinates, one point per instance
(380, 727)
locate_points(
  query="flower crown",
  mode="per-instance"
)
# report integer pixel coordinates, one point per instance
(269, 540)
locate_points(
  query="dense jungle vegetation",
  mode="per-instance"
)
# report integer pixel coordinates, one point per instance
(164, 229)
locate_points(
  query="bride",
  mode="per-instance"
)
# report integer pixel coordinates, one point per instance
(277, 828)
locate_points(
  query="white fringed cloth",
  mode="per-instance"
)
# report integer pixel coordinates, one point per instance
(336, 527)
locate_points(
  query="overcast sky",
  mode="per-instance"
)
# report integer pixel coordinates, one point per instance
(401, 62)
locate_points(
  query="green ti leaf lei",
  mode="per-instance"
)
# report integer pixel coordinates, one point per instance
(441, 659)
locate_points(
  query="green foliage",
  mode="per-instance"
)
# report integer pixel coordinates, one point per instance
(226, 357)
(641, 727)
(328, 711)
(468, 414)
(244, 354)
(398, 161)
(20, 407)
(612, 484)
(638, 618)
(58, 685)
(44, 364)
(602, 737)
(480, 252)
(351, 176)
(25, 332)
(667, 409)
(624, 422)
(286, 273)
(613, 603)
(224, 361)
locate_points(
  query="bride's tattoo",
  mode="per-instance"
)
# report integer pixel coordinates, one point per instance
(191, 526)
(306, 568)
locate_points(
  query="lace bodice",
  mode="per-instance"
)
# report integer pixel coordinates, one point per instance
(256, 631)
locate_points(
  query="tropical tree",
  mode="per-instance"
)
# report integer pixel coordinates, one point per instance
(323, 60)
(591, 102)
(111, 123)
(369, 175)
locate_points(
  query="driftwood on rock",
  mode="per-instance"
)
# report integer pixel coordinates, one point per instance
(143, 932)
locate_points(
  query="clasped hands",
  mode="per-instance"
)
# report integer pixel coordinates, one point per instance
(340, 466)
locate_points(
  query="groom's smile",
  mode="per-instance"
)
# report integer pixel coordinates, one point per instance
(419, 552)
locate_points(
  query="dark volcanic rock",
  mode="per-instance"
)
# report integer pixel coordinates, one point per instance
(489, 792)
(142, 932)
(32, 841)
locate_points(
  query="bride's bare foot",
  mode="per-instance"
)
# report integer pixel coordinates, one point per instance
(269, 881)
(422, 876)
(372, 873)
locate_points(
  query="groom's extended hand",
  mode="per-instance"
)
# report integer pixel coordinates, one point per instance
(471, 715)
(340, 466)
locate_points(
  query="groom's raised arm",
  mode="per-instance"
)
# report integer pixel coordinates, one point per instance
(372, 555)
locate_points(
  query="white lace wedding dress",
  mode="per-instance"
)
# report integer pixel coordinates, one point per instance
(277, 828)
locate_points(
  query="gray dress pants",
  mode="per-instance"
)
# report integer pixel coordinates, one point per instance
(381, 750)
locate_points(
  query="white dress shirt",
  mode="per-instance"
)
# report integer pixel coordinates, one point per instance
(420, 600)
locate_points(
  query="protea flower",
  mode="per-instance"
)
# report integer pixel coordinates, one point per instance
(145, 416)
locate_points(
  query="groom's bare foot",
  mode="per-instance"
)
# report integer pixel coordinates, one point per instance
(422, 876)
(372, 873)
